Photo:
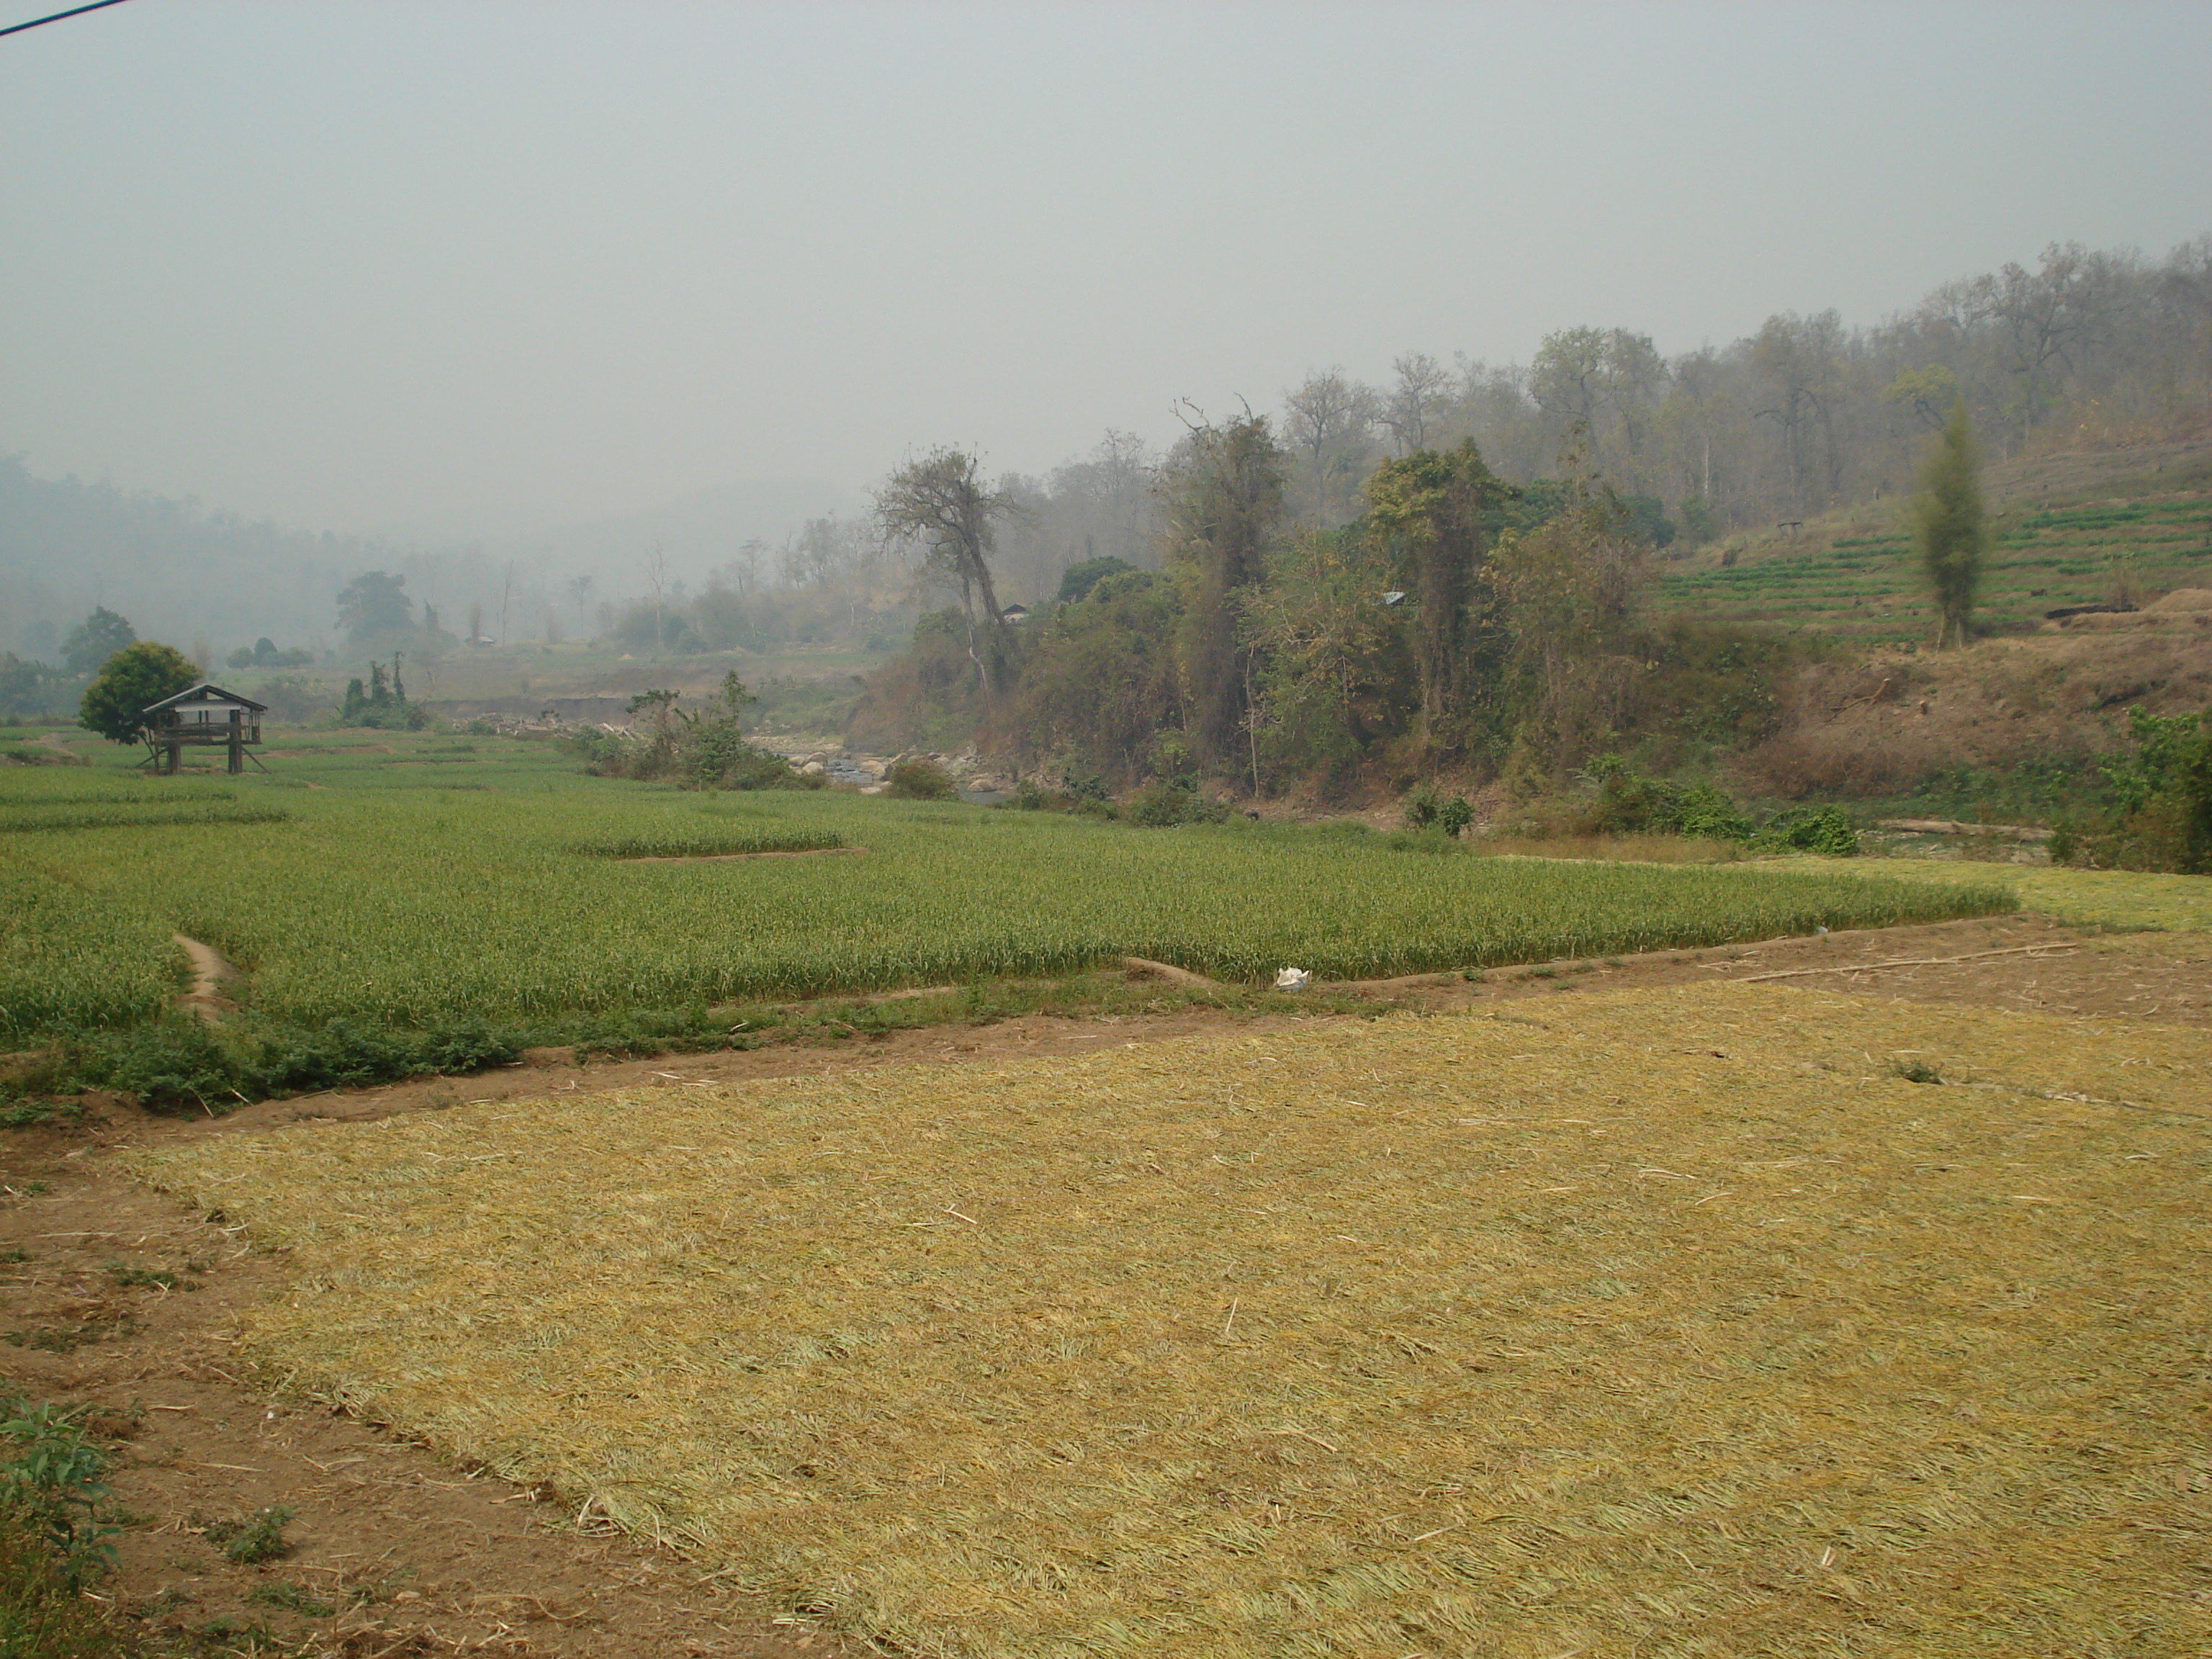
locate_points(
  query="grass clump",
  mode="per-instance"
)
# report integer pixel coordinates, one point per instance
(68, 1339)
(129, 1278)
(293, 1598)
(53, 1542)
(250, 1540)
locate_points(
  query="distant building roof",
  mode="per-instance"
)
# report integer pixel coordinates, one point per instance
(204, 692)
(1015, 613)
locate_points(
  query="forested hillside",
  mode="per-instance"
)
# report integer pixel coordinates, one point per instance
(1470, 569)
(1485, 573)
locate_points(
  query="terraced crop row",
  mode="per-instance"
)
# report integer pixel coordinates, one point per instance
(2040, 562)
(403, 905)
(70, 958)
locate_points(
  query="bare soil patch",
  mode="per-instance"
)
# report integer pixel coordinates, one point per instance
(417, 1556)
(1868, 727)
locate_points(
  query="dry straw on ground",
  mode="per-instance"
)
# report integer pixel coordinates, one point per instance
(1667, 1323)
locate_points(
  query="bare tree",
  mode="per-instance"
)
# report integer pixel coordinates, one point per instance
(745, 569)
(1328, 419)
(941, 503)
(1424, 384)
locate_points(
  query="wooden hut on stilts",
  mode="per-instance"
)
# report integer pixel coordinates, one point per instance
(203, 715)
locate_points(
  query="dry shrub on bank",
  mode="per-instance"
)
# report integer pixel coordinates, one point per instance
(1673, 1322)
(1881, 725)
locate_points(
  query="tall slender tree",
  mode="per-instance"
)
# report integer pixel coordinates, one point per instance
(1225, 508)
(1947, 527)
(942, 503)
(1435, 509)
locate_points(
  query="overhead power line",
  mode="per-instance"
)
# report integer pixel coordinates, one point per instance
(74, 11)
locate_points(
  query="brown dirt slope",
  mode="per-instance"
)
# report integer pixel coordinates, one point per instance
(1870, 727)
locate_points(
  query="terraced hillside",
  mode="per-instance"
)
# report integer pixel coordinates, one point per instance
(1853, 574)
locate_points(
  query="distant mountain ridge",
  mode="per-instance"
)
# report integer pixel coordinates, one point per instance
(181, 572)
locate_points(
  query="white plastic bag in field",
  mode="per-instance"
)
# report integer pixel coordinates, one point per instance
(1293, 979)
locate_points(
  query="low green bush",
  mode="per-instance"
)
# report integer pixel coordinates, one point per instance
(1629, 803)
(1823, 830)
(1165, 806)
(53, 1484)
(252, 1539)
(919, 779)
(180, 1064)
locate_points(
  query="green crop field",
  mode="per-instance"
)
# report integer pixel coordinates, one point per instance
(397, 880)
(1868, 587)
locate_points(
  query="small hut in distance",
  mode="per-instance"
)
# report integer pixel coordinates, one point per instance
(203, 714)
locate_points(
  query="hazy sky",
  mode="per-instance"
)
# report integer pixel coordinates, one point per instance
(471, 268)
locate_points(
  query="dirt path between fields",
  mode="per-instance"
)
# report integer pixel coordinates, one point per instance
(121, 1299)
(210, 971)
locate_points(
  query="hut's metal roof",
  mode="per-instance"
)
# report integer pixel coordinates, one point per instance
(204, 692)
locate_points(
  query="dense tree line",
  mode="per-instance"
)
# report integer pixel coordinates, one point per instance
(2088, 348)
(1450, 568)
(1457, 620)
(2084, 347)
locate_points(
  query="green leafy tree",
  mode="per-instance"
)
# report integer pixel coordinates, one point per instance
(1947, 526)
(1077, 581)
(1925, 393)
(24, 684)
(1333, 677)
(2164, 791)
(141, 673)
(1100, 679)
(374, 610)
(94, 640)
(1435, 510)
(1569, 595)
(383, 706)
(1224, 502)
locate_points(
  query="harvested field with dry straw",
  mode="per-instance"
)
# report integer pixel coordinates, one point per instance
(1669, 1321)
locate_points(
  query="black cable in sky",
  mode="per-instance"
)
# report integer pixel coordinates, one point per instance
(17, 28)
